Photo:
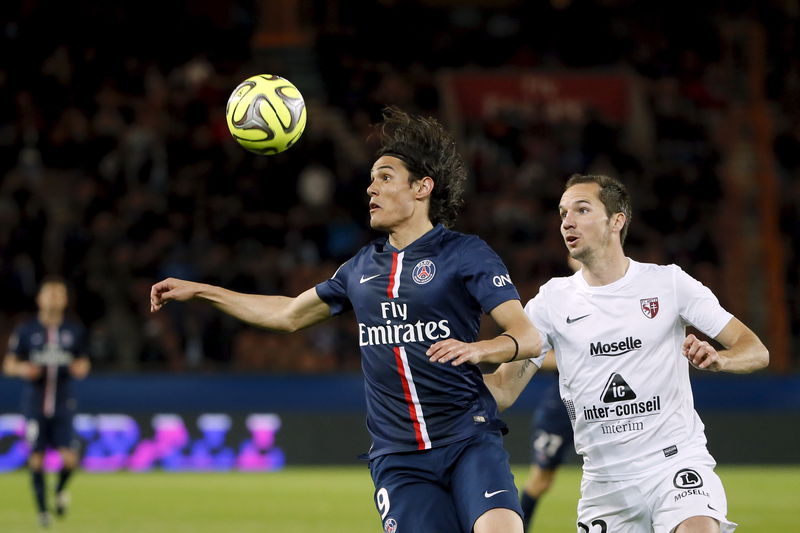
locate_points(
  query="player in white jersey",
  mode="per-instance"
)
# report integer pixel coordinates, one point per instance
(618, 328)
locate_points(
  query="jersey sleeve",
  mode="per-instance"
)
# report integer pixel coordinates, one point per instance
(485, 275)
(82, 343)
(536, 310)
(18, 345)
(333, 291)
(698, 306)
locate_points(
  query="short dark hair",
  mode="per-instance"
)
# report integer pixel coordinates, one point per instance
(613, 194)
(426, 149)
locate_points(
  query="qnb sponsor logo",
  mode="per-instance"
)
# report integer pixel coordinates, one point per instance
(402, 333)
(613, 349)
(601, 412)
(501, 281)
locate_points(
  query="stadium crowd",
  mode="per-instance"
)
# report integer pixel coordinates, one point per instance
(117, 169)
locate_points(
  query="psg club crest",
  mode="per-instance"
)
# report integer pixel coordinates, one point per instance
(649, 307)
(424, 271)
(390, 526)
(66, 338)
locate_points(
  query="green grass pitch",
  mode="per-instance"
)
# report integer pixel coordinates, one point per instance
(762, 499)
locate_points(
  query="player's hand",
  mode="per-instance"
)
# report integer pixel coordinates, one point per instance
(701, 354)
(30, 371)
(171, 289)
(455, 352)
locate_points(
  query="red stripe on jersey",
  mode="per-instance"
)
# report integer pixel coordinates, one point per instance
(412, 411)
(390, 289)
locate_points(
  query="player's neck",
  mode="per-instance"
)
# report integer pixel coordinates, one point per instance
(607, 269)
(51, 318)
(406, 234)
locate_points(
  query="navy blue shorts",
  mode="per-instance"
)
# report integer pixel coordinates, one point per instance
(446, 489)
(50, 432)
(552, 433)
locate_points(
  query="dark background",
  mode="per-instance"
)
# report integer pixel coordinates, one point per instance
(116, 167)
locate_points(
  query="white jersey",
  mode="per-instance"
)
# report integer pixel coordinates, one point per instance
(622, 375)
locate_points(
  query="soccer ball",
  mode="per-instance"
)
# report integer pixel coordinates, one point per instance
(266, 114)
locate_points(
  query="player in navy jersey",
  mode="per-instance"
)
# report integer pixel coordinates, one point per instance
(437, 459)
(49, 352)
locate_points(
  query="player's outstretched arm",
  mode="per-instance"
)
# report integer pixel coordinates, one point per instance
(519, 340)
(277, 313)
(744, 352)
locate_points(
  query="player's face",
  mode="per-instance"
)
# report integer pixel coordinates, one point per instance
(392, 199)
(585, 225)
(52, 297)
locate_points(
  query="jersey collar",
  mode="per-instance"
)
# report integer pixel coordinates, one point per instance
(432, 238)
(633, 270)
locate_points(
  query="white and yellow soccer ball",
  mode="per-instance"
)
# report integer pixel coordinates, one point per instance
(266, 114)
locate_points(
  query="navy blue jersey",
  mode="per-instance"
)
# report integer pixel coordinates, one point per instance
(405, 301)
(53, 349)
(552, 430)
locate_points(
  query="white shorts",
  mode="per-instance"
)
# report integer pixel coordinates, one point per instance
(657, 503)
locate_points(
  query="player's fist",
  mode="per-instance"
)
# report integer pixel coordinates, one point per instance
(30, 371)
(172, 289)
(701, 354)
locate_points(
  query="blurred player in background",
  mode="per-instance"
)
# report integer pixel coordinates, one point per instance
(49, 352)
(618, 328)
(552, 437)
(437, 458)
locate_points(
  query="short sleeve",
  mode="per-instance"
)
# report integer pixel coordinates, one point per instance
(82, 344)
(18, 345)
(485, 275)
(535, 309)
(333, 291)
(698, 306)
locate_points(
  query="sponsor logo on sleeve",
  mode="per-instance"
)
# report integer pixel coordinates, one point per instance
(501, 281)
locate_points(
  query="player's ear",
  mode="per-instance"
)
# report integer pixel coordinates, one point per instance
(424, 187)
(618, 221)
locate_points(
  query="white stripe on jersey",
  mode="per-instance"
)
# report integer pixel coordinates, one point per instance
(423, 427)
(51, 383)
(396, 280)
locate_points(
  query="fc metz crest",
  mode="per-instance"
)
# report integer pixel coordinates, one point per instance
(649, 307)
